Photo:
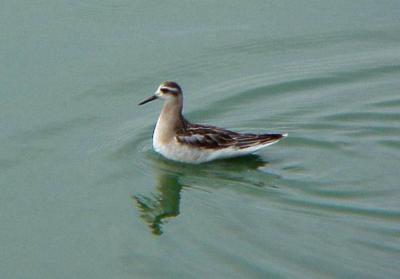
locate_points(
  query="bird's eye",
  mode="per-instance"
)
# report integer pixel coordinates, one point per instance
(164, 90)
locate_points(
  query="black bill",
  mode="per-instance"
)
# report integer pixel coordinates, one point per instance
(148, 100)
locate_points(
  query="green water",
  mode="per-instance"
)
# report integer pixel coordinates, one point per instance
(83, 195)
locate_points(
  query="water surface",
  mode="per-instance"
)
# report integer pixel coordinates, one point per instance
(83, 195)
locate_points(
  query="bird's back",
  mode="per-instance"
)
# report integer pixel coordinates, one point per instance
(211, 137)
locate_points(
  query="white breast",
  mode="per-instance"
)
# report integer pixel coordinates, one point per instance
(176, 151)
(179, 152)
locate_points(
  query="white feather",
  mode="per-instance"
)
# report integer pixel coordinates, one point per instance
(188, 154)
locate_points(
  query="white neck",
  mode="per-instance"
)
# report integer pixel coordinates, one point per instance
(169, 121)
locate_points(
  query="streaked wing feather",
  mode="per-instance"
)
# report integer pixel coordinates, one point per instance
(212, 137)
(253, 139)
(206, 136)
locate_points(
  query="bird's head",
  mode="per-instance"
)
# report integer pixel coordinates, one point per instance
(168, 90)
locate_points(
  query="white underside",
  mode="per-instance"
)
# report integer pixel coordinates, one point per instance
(183, 153)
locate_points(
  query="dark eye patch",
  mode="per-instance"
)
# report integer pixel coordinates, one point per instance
(164, 90)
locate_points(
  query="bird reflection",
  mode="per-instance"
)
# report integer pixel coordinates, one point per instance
(162, 205)
(158, 207)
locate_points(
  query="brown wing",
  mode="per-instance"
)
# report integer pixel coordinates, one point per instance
(204, 136)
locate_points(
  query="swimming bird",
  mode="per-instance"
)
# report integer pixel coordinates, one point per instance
(177, 139)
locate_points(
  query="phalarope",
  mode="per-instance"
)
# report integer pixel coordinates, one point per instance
(177, 139)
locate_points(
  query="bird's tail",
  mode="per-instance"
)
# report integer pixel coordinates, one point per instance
(249, 140)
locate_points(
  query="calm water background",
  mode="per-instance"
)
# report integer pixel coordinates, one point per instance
(84, 196)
